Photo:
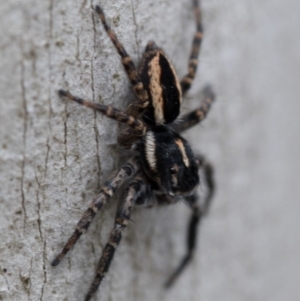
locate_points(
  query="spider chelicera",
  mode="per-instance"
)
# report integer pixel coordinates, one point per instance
(163, 169)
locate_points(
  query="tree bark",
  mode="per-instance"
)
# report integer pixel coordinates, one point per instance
(54, 155)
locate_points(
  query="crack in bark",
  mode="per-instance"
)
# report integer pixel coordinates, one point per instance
(93, 90)
(92, 60)
(47, 154)
(77, 55)
(50, 76)
(41, 235)
(29, 289)
(44, 269)
(23, 92)
(39, 207)
(65, 136)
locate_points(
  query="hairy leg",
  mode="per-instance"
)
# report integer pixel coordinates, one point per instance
(198, 212)
(127, 62)
(136, 190)
(107, 190)
(196, 116)
(108, 111)
(187, 80)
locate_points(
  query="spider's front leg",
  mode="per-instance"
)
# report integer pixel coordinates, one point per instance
(108, 189)
(128, 136)
(137, 190)
(129, 66)
(187, 80)
(198, 212)
(108, 111)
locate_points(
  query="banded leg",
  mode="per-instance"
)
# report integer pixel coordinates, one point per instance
(209, 182)
(198, 213)
(108, 111)
(187, 80)
(197, 115)
(107, 190)
(127, 62)
(136, 108)
(136, 190)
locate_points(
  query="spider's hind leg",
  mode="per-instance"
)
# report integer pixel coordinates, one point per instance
(106, 191)
(198, 212)
(208, 171)
(137, 191)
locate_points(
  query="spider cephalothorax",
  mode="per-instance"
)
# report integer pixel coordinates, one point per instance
(168, 160)
(164, 168)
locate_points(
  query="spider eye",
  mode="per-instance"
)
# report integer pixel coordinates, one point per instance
(173, 170)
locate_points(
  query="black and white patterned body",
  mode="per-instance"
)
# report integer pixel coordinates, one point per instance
(169, 161)
(163, 168)
(162, 85)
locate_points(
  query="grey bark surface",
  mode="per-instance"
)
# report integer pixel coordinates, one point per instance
(55, 155)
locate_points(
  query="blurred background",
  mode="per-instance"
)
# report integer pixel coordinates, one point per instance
(54, 155)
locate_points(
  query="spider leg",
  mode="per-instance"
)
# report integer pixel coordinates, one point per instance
(209, 181)
(136, 190)
(128, 136)
(108, 111)
(187, 80)
(198, 212)
(127, 62)
(197, 115)
(107, 190)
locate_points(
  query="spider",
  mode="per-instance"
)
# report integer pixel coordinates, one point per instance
(163, 168)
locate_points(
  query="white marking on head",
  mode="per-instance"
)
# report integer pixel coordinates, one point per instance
(150, 150)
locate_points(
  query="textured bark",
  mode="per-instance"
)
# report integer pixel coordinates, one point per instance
(55, 155)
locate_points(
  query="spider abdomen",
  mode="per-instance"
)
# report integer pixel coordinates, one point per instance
(163, 87)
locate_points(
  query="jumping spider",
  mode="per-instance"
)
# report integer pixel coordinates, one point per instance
(164, 168)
